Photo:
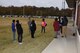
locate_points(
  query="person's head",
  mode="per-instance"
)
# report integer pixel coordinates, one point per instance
(65, 17)
(43, 19)
(17, 21)
(56, 19)
(13, 21)
(33, 21)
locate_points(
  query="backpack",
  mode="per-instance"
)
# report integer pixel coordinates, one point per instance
(46, 24)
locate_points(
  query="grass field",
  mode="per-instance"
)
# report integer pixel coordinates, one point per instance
(36, 45)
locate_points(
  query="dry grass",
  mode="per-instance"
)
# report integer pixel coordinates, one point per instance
(29, 45)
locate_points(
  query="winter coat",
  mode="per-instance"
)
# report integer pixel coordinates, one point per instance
(33, 26)
(19, 28)
(13, 27)
(44, 24)
(64, 21)
(56, 26)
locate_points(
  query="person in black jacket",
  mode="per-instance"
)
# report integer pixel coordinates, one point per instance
(19, 31)
(33, 28)
(64, 24)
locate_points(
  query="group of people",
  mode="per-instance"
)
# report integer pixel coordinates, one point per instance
(32, 26)
(16, 26)
(59, 25)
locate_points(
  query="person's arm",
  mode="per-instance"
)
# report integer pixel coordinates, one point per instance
(35, 27)
(21, 28)
(67, 21)
(46, 23)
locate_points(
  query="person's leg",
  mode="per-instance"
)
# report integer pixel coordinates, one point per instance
(58, 32)
(55, 35)
(21, 37)
(44, 29)
(14, 36)
(63, 31)
(41, 29)
(32, 34)
(18, 37)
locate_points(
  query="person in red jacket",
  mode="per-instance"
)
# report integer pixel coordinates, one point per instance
(56, 27)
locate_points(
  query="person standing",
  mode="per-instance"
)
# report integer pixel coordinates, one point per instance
(14, 30)
(29, 23)
(60, 22)
(33, 28)
(19, 31)
(43, 25)
(64, 24)
(56, 27)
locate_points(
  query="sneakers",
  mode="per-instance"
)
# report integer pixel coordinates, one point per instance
(73, 34)
(62, 36)
(55, 37)
(20, 43)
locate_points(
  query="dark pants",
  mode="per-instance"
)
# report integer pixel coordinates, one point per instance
(61, 29)
(32, 34)
(43, 29)
(20, 38)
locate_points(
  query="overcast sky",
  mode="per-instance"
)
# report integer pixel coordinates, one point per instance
(38, 3)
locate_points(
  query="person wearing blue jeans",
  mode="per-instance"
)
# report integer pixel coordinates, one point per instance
(14, 29)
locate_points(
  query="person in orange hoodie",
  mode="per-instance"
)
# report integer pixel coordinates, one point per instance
(56, 27)
(43, 25)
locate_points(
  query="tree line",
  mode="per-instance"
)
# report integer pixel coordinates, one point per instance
(34, 11)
